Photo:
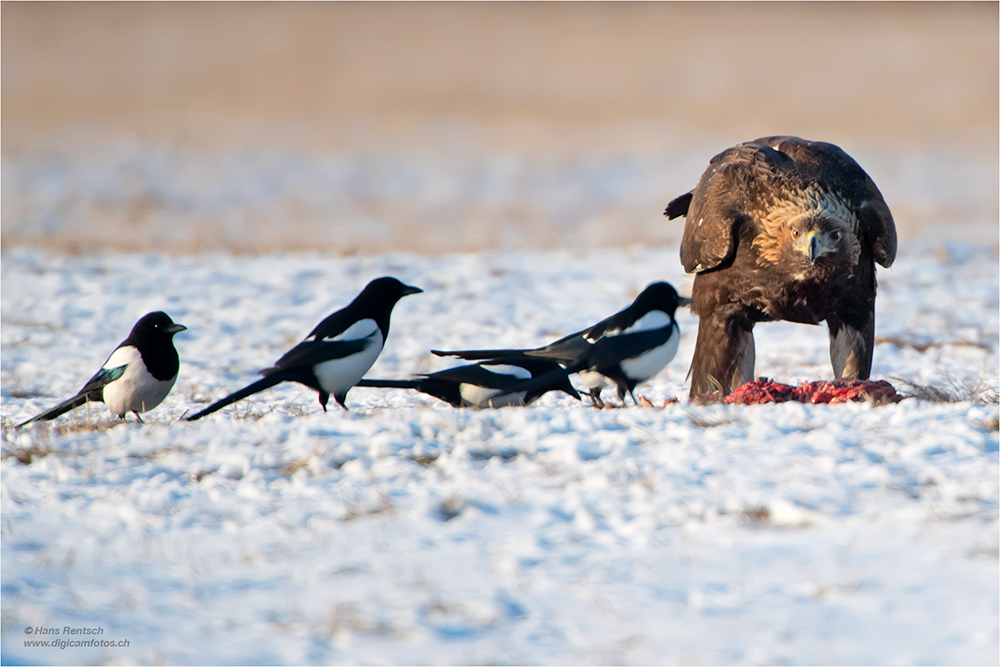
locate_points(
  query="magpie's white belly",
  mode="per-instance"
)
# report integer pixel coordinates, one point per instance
(136, 390)
(592, 380)
(338, 375)
(649, 363)
(481, 397)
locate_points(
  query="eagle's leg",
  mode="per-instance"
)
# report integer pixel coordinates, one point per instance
(724, 356)
(851, 347)
(746, 358)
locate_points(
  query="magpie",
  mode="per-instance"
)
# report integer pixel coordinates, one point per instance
(338, 352)
(627, 348)
(482, 385)
(136, 377)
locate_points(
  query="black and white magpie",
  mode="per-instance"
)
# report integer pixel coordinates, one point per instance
(482, 385)
(338, 352)
(136, 377)
(627, 348)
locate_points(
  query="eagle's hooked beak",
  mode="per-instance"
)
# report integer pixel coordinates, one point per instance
(815, 245)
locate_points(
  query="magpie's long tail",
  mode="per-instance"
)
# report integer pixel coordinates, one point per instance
(62, 408)
(389, 384)
(445, 390)
(555, 379)
(568, 350)
(259, 385)
(479, 355)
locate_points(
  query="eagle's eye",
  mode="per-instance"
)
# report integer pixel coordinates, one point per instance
(796, 233)
(835, 235)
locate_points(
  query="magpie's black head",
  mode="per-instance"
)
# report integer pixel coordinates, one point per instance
(387, 290)
(377, 300)
(660, 296)
(157, 325)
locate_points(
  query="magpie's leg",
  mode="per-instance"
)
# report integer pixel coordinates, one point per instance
(595, 398)
(324, 397)
(623, 390)
(136, 416)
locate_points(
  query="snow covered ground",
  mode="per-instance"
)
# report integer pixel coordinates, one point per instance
(405, 531)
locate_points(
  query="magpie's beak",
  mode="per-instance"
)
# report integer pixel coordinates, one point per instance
(175, 328)
(410, 289)
(683, 301)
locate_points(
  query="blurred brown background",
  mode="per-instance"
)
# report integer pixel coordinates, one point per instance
(365, 127)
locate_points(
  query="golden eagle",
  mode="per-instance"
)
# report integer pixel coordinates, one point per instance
(782, 229)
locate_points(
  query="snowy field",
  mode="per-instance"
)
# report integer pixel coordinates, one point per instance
(406, 531)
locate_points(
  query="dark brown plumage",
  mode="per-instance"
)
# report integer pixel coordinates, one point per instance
(782, 229)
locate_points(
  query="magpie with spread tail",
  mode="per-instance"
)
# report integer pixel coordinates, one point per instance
(338, 352)
(136, 377)
(482, 385)
(626, 349)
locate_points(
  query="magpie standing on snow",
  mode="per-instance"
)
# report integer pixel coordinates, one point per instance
(627, 348)
(338, 352)
(136, 377)
(482, 385)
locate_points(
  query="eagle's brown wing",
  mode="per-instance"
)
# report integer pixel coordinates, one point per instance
(719, 203)
(837, 171)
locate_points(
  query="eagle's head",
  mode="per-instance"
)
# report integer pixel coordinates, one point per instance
(815, 237)
(808, 229)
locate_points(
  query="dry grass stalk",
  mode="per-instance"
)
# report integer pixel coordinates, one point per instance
(755, 516)
(356, 511)
(292, 467)
(706, 421)
(955, 392)
(424, 460)
(26, 454)
(924, 345)
(157, 453)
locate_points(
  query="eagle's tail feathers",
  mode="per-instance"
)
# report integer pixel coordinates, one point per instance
(679, 206)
